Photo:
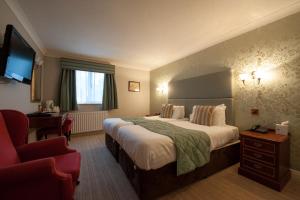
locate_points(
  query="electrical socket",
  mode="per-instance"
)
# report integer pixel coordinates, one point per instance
(254, 111)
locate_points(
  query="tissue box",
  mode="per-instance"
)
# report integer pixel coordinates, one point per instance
(282, 129)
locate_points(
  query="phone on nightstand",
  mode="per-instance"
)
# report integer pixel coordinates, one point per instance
(259, 129)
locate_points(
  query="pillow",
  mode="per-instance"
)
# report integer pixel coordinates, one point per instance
(192, 114)
(203, 115)
(166, 111)
(219, 117)
(178, 112)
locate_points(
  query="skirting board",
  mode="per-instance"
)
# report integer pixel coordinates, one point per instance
(295, 172)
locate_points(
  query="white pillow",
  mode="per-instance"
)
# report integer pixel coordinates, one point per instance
(219, 117)
(178, 112)
(192, 114)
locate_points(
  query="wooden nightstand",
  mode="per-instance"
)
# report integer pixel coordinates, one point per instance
(265, 158)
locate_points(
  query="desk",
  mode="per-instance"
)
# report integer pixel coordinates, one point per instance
(53, 122)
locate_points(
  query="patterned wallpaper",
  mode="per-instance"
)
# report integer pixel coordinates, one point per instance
(274, 50)
(277, 96)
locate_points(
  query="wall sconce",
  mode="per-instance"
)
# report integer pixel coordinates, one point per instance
(255, 75)
(244, 77)
(163, 88)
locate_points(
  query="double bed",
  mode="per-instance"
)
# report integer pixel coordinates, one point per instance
(149, 150)
(149, 159)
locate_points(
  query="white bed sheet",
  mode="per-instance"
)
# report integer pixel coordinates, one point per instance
(112, 125)
(151, 150)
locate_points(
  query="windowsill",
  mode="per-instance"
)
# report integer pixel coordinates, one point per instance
(89, 107)
(88, 104)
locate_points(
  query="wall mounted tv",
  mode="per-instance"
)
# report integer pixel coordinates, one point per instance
(16, 57)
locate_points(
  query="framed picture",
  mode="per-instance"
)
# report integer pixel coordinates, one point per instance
(134, 86)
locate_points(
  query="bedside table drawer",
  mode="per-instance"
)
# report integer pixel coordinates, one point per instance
(269, 159)
(259, 168)
(259, 145)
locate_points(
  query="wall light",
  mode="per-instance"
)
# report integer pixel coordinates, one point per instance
(163, 88)
(255, 75)
(244, 77)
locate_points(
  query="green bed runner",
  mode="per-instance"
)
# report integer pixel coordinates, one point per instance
(192, 147)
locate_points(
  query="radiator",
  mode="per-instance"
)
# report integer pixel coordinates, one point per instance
(87, 121)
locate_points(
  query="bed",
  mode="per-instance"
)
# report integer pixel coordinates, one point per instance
(154, 174)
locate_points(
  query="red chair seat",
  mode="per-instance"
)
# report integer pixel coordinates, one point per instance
(69, 163)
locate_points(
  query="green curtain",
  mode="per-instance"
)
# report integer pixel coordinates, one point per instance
(82, 65)
(68, 90)
(110, 97)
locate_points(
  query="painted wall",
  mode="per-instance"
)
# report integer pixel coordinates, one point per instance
(130, 103)
(15, 95)
(51, 79)
(274, 49)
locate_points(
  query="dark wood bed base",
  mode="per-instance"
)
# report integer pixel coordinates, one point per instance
(112, 146)
(150, 184)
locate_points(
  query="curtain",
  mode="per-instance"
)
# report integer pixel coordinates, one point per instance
(68, 90)
(82, 65)
(110, 98)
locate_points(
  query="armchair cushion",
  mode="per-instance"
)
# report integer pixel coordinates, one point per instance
(38, 179)
(29, 171)
(8, 154)
(69, 163)
(45, 148)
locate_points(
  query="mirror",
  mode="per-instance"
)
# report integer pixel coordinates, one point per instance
(36, 84)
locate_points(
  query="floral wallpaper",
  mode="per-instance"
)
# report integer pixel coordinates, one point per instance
(272, 50)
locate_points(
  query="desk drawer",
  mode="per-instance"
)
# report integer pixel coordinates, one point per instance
(45, 122)
(259, 145)
(263, 157)
(259, 168)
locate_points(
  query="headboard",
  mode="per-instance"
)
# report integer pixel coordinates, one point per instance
(210, 89)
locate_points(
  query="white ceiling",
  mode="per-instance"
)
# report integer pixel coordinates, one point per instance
(143, 34)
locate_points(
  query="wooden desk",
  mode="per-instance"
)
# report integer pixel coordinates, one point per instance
(54, 122)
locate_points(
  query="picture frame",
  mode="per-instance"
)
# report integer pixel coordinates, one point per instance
(134, 86)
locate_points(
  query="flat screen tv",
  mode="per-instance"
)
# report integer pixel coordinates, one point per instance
(16, 57)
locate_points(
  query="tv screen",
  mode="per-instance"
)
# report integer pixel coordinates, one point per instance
(17, 57)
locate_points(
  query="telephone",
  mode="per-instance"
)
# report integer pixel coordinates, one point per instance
(258, 128)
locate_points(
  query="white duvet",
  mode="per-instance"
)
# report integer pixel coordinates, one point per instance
(112, 125)
(151, 150)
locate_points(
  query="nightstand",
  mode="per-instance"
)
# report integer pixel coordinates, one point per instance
(265, 158)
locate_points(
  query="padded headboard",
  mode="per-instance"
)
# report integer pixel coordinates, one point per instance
(210, 89)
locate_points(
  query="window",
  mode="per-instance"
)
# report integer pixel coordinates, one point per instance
(89, 87)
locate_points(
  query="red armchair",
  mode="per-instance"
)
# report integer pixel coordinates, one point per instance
(42, 170)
